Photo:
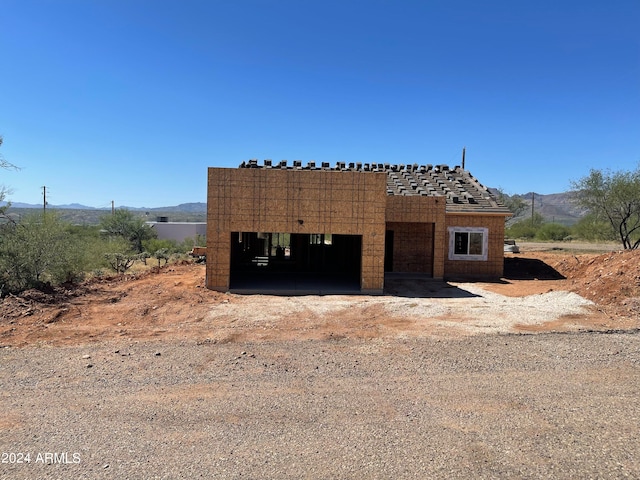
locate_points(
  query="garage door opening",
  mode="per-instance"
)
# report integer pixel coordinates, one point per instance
(295, 263)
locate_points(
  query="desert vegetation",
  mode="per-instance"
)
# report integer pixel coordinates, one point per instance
(589, 228)
(610, 202)
(41, 250)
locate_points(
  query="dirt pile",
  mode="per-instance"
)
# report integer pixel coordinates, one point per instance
(144, 305)
(605, 278)
(611, 279)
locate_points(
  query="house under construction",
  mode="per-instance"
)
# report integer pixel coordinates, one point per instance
(323, 228)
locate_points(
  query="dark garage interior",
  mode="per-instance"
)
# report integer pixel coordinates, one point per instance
(295, 263)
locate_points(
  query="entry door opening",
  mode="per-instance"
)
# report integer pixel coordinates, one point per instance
(388, 251)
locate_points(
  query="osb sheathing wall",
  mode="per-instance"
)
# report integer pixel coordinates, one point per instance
(423, 217)
(295, 201)
(494, 265)
(412, 247)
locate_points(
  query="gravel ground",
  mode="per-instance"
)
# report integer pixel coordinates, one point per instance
(483, 406)
(453, 308)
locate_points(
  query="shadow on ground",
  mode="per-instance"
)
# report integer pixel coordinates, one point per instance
(518, 268)
(423, 288)
(395, 284)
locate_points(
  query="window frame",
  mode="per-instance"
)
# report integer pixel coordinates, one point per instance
(468, 230)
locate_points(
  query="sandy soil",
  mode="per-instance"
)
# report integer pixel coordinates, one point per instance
(545, 288)
(154, 376)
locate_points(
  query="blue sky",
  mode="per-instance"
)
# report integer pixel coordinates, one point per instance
(132, 100)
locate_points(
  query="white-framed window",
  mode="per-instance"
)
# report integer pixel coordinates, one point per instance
(468, 243)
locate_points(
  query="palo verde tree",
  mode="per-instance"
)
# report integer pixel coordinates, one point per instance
(614, 197)
(123, 223)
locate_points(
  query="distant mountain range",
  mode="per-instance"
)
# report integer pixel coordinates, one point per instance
(197, 207)
(78, 214)
(555, 207)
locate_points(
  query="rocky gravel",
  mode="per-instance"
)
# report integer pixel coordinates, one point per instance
(553, 405)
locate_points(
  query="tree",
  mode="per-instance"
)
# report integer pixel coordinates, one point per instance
(3, 194)
(614, 196)
(4, 191)
(515, 204)
(123, 223)
(35, 251)
(3, 163)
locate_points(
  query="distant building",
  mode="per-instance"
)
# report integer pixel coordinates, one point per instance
(178, 231)
(348, 224)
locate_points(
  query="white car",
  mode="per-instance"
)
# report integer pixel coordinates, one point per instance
(511, 247)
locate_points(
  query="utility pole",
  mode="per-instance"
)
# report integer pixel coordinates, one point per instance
(44, 199)
(463, 152)
(533, 199)
(113, 210)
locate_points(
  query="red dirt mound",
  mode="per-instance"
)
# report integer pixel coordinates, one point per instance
(606, 278)
(610, 280)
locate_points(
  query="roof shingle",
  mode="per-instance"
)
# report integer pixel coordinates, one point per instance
(463, 193)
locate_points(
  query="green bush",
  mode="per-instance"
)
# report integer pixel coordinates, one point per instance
(44, 249)
(552, 231)
(116, 253)
(155, 244)
(595, 230)
(125, 224)
(121, 262)
(162, 254)
(37, 251)
(188, 243)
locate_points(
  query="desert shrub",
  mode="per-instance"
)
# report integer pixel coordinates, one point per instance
(162, 254)
(117, 254)
(129, 226)
(525, 229)
(593, 229)
(155, 244)
(121, 262)
(521, 230)
(552, 231)
(38, 250)
(90, 246)
(188, 243)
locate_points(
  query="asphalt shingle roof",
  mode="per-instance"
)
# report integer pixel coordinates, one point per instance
(461, 190)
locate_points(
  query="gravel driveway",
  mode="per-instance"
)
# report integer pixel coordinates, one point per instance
(483, 406)
(434, 308)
